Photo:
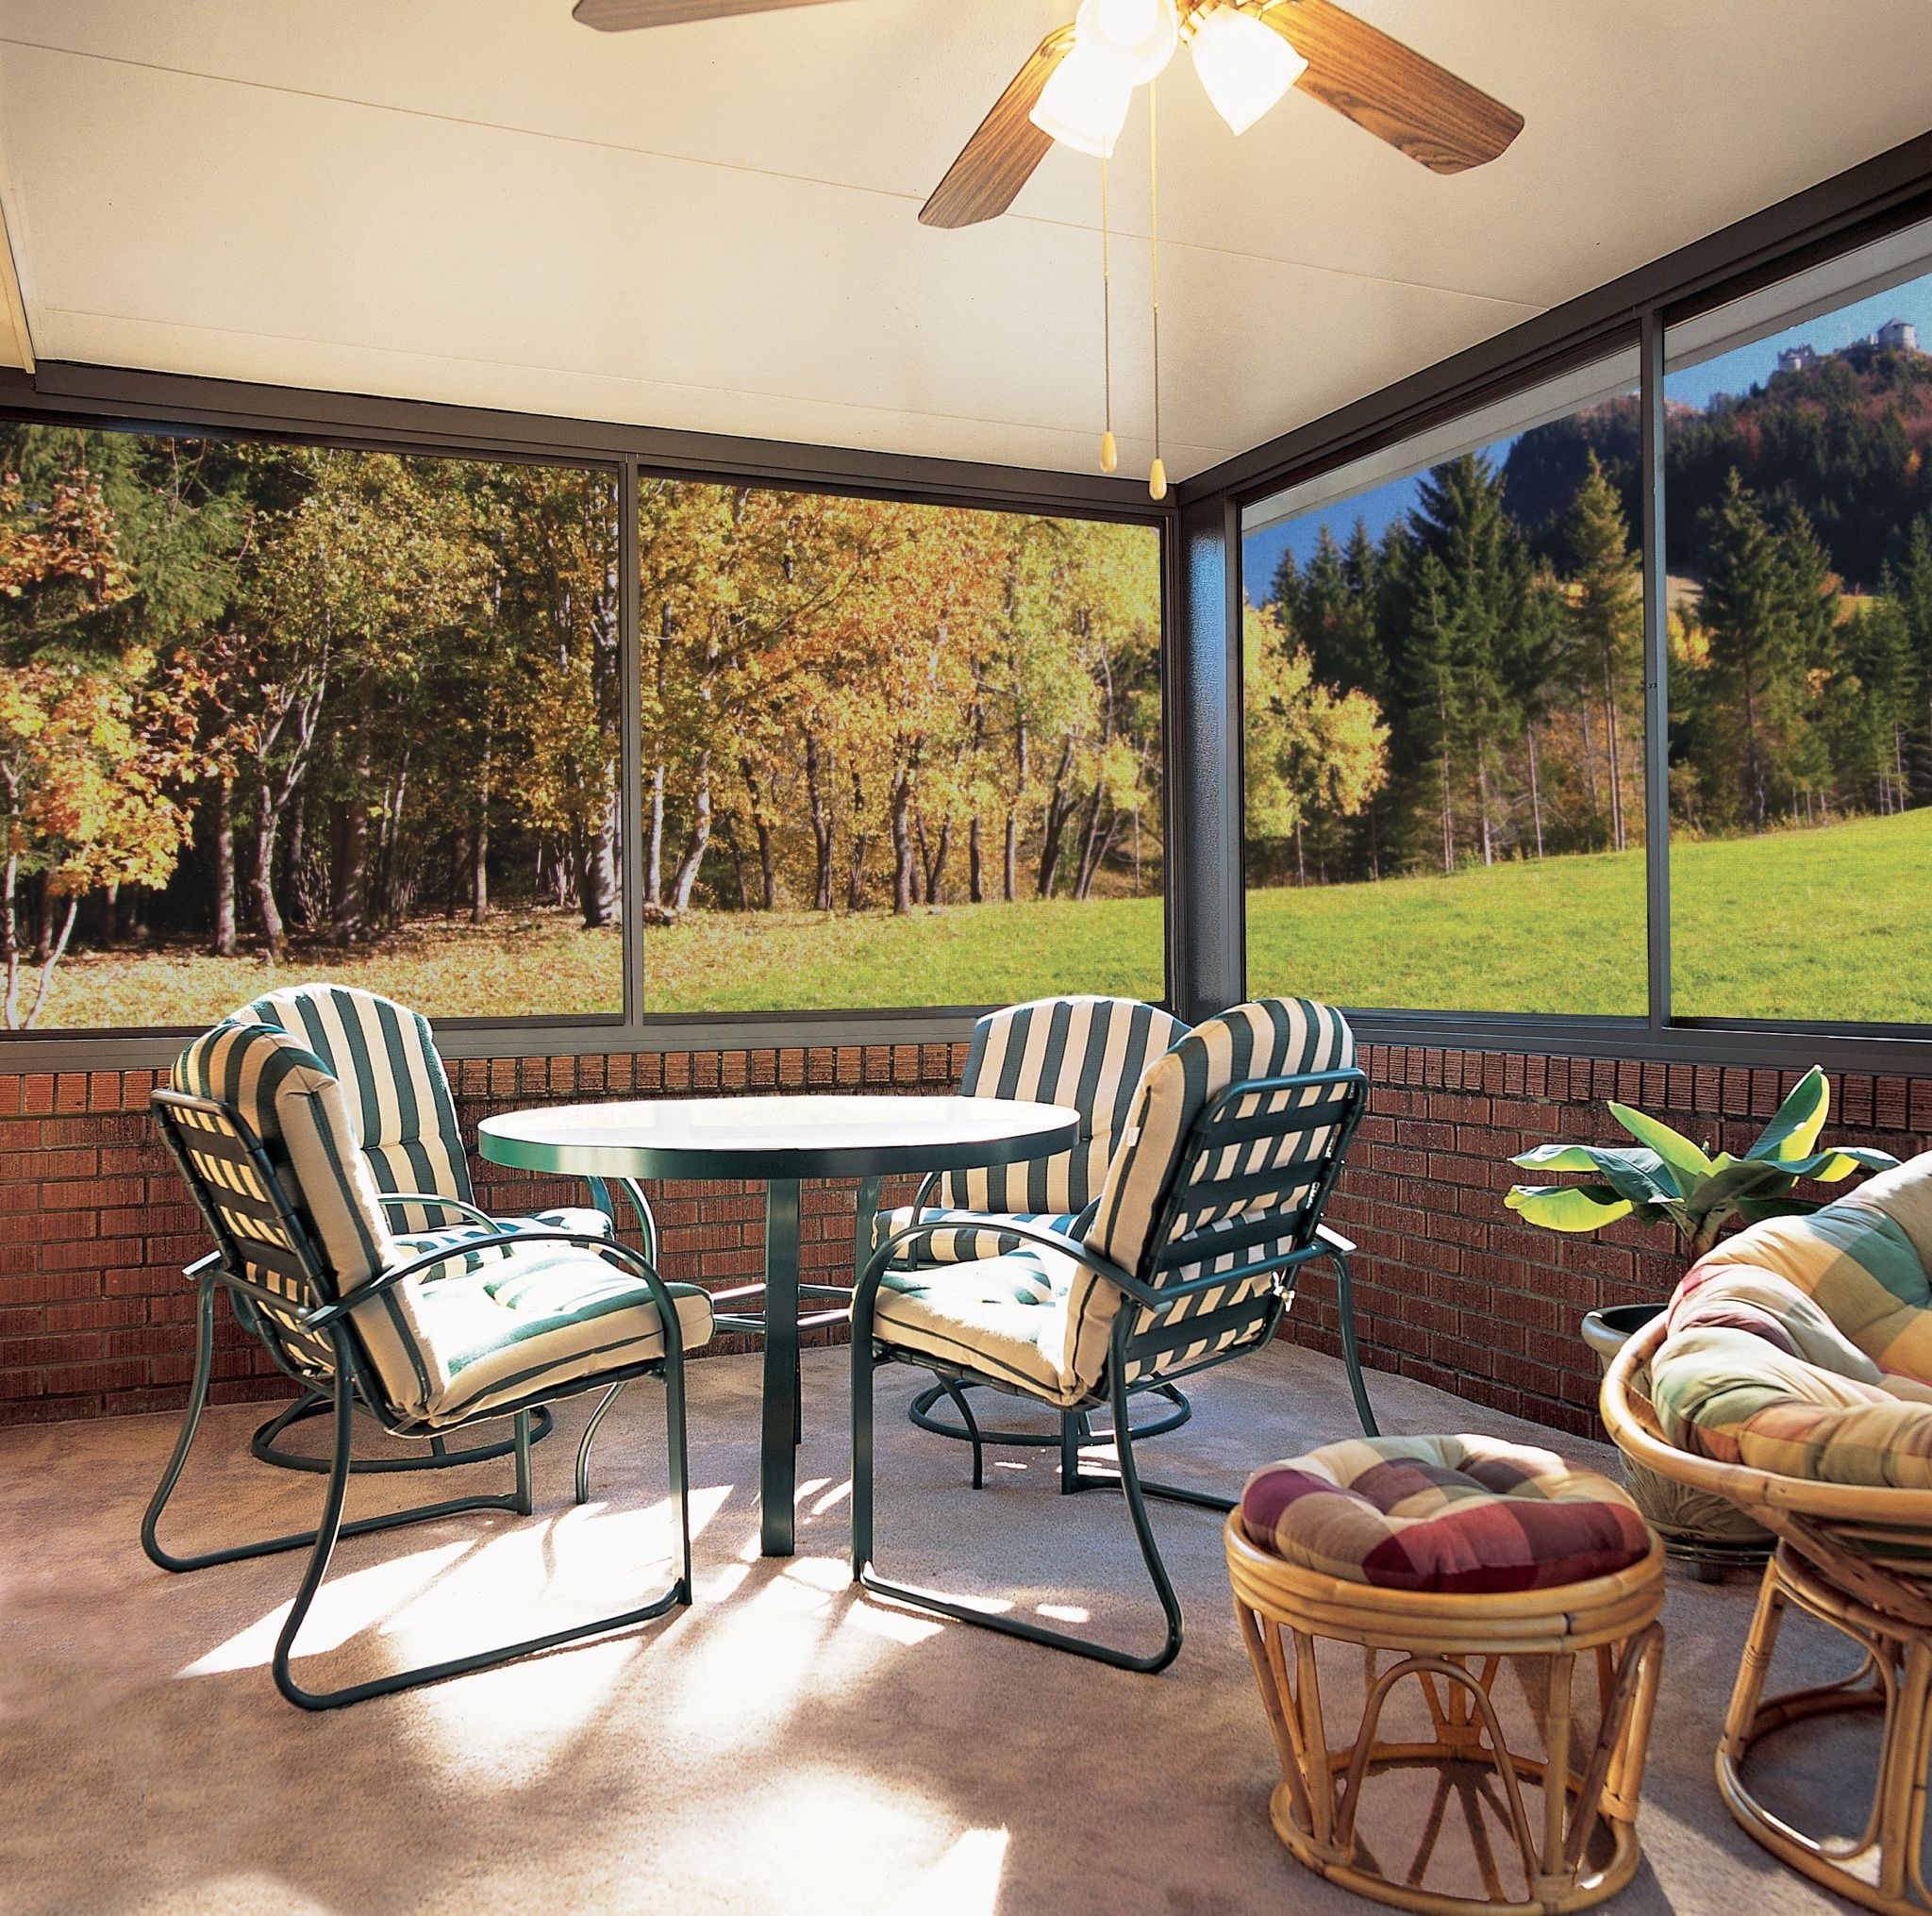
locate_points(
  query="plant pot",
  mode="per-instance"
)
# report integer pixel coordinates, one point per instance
(1706, 1534)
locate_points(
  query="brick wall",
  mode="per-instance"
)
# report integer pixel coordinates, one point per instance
(94, 1226)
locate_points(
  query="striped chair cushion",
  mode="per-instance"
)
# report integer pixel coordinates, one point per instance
(1084, 1052)
(1803, 1345)
(972, 1235)
(539, 1318)
(1039, 1320)
(999, 1316)
(294, 1104)
(1460, 1515)
(451, 1342)
(587, 1222)
(1271, 1038)
(385, 1059)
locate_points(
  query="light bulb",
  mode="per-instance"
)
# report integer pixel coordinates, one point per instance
(1109, 452)
(1128, 21)
(1156, 480)
(1244, 65)
(1143, 33)
(1084, 103)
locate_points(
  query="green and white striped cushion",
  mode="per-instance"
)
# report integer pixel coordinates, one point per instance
(1041, 1321)
(1270, 1038)
(1085, 1052)
(451, 1342)
(538, 1318)
(386, 1059)
(969, 1234)
(294, 1104)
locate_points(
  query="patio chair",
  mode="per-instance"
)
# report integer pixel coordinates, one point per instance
(1084, 1051)
(1210, 1206)
(384, 1055)
(494, 1326)
(1792, 1373)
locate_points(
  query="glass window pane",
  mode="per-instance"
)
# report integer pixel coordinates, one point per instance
(271, 714)
(1799, 504)
(895, 755)
(1444, 711)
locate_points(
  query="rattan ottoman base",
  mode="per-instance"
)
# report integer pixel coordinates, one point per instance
(1573, 1846)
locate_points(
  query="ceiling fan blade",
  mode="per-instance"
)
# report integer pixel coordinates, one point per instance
(1420, 108)
(999, 158)
(624, 16)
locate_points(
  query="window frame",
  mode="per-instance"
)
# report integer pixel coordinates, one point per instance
(1865, 204)
(181, 406)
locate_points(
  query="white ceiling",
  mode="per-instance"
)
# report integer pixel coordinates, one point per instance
(713, 227)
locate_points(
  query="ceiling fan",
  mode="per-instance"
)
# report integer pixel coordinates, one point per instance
(1076, 84)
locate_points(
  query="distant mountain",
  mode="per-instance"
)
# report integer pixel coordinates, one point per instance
(1848, 438)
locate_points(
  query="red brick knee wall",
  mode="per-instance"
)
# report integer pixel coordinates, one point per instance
(94, 1226)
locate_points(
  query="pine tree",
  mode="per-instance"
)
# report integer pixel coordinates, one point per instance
(1607, 621)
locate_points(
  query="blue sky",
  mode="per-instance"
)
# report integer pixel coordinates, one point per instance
(1733, 372)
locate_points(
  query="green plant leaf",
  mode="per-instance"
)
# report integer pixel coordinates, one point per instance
(1754, 1210)
(1556, 1157)
(1568, 1206)
(1586, 1158)
(1835, 1166)
(1741, 1178)
(1793, 1132)
(1684, 1164)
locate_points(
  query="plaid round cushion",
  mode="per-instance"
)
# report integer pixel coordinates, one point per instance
(1455, 1514)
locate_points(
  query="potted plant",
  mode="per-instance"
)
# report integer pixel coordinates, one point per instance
(1666, 1178)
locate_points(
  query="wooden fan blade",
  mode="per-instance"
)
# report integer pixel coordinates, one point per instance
(625, 16)
(1420, 108)
(999, 158)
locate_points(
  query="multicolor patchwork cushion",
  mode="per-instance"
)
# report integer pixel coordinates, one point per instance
(1803, 1345)
(1460, 1515)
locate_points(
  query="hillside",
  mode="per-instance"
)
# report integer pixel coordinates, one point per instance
(1846, 440)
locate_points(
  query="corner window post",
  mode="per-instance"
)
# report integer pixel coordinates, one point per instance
(1207, 921)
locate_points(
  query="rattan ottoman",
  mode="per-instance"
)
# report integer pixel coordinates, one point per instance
(1488, 1558)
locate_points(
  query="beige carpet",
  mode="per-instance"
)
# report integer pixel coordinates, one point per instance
(782, 1747)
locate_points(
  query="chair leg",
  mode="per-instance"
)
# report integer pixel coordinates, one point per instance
(590, 1437)
(972, 1425)
(1352, 1356)
(1135, 1496)
(321, 1541)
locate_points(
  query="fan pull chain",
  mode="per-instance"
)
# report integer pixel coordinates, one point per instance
(1109, 452)
(1156, 475)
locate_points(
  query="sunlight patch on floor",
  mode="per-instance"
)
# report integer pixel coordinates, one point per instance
(964, 1882)
(246, 1892)
(346, 1606)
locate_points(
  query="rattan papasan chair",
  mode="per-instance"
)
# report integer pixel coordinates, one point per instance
(1792, 1373)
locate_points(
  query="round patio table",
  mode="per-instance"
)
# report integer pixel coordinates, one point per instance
(778, 1140)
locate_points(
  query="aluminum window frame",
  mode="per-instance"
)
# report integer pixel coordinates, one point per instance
(181, 406)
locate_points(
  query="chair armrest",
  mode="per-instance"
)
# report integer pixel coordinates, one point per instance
(1051, 1241)
(1334, 1240)
(435, 1200)
(387, 1280)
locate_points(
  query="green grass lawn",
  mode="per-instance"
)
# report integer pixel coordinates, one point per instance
(1827, 925)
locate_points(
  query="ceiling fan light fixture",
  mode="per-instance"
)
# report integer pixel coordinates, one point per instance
(1084, 104)
(1246, 66)
(1143, 33)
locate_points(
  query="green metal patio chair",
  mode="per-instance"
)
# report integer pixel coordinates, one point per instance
(384, 1055)
(426, 1342)
(1084, 1052)
(1210, 1206)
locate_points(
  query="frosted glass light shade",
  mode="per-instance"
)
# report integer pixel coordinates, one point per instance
(1246, 66)
(1084, 103)
(1143, 33)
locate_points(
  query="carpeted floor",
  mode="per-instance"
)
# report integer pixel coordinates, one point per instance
(781, 1747)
